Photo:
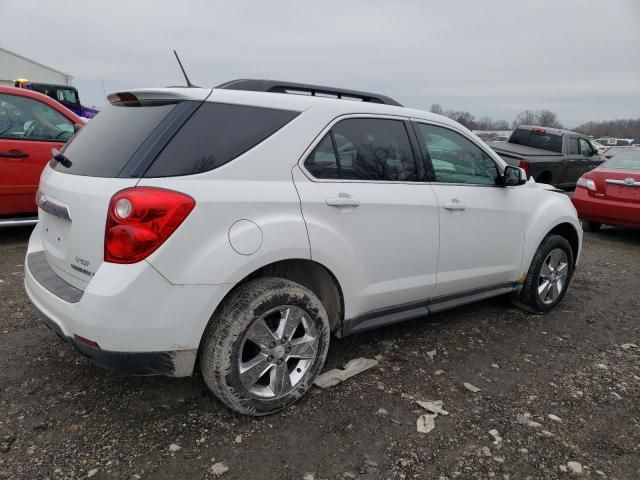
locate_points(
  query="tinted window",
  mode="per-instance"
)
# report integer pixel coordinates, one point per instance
(23, 118)
(573, 146)
(456, 159)
(628, 160)
(366, 149)
(323, 163)
(537, 139)
(216, 134)
(104, 145)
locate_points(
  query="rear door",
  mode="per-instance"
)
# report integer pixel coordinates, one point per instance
(368, 217)
(575, 161)
(29, 129)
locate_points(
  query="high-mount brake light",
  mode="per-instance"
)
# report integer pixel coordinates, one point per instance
(538, 130)
(140, 219)
(122, 98)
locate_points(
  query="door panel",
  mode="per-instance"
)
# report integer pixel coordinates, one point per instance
(379, 239)
(21, 163)
(481, 237)
(29, 129)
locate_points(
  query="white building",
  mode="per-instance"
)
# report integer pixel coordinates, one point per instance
(14, 66)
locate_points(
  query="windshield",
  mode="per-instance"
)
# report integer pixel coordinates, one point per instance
(537, 139)
(629, 160)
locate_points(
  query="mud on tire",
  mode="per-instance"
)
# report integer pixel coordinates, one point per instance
(224, 345)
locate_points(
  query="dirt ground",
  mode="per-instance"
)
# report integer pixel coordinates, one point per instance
(559, 388)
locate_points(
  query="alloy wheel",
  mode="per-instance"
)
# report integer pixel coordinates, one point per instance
(276, 351)
(553, 276)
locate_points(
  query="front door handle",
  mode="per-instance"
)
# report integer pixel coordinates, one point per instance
(13, 154)
(454, 204)
(343, 200)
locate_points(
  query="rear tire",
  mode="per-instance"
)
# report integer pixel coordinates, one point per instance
(549, 275)
(591, 226)
(263, 349)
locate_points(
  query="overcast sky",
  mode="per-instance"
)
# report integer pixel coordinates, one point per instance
(579, 58)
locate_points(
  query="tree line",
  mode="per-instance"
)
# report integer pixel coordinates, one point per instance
(629, 128)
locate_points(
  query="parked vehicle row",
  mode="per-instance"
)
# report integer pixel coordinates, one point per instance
(242, 226)
(549, 155)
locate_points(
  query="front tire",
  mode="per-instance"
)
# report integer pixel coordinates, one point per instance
(263, 349)
(549, 275)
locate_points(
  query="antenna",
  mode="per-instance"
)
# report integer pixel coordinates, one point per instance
(189, 84)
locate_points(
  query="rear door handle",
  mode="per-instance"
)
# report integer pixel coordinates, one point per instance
(343, 200)
(13, 154)
(454, 204)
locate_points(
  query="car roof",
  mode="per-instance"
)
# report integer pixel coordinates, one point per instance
(23, 92)
(556, 131)
(287, 101)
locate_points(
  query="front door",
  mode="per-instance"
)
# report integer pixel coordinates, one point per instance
(368, 219)
(29, 129)
(482, 224)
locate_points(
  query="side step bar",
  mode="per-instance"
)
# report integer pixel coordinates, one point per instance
(18, 222)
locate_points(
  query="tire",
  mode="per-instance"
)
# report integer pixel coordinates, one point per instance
(590, 226)
(232, 340)
(531, 298)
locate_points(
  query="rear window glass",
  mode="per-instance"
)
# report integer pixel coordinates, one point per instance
(103, 146)
(216, 134)
(629, 160)
(537, 139)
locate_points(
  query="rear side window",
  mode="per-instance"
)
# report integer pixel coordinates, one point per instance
(537, 138)
(364, 149)
(104, 145)
(216, 134)
(573, 146)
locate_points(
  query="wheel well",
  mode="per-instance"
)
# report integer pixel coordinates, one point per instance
(568, 231)
(312, 275)
(544, 177)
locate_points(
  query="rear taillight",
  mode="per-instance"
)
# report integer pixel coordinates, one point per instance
(525, 166)
(140, 219)
(586, 183)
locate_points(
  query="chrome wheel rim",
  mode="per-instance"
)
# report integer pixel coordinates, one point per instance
(553, 276)
(276, 352)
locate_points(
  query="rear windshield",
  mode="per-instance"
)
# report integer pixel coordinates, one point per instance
(537, 139)
(216, 134)
(629, 160)
(104, 145)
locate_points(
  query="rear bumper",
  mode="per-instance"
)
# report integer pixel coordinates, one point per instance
(142, 324)
(609, 212)
(125, 363)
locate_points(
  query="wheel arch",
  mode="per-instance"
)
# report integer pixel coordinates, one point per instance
(568, 231)
(308, 273)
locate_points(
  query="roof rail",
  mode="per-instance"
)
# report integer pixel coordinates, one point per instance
(276, 86)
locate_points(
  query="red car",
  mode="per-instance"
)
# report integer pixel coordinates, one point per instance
(610, 194)
(31, 124)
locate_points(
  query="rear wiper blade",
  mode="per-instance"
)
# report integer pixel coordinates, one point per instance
(60, 158)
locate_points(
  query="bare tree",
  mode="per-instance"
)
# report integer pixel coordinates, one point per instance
(526, 117)
(622, 128)
(436, 108)
(546, 118)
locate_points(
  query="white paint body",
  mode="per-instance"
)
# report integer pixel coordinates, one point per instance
(398, 245)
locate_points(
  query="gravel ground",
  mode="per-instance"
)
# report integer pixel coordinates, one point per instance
(557, 389)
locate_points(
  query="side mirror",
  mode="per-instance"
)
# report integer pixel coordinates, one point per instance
(76, 127)
(513, 176)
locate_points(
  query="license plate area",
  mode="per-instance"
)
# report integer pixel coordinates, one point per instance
(54, 233)
(626, 192)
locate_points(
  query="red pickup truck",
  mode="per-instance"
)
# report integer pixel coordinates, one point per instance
(31, 124)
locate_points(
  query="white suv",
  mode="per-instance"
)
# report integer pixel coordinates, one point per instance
(241, 226)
